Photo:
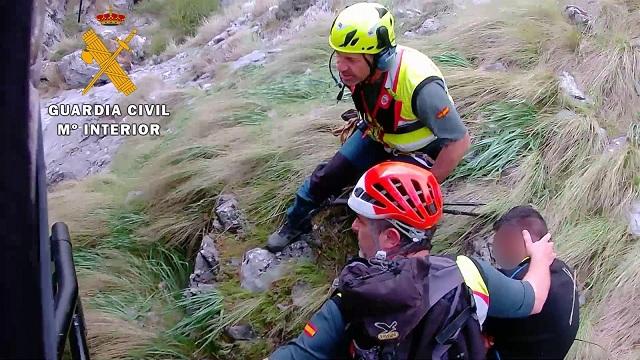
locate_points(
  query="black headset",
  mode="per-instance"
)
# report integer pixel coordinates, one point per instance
(384, 58)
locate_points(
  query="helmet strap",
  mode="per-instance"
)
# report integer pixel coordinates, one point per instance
(372, 68)
(338, 82)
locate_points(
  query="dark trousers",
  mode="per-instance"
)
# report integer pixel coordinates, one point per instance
(356, 155)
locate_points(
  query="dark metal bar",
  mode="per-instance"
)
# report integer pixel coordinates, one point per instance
(67, 284)
(458, 212)
(26, 318)
(464, 204)
(79, 11)
(78, 335)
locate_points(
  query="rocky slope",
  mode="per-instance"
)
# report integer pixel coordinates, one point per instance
(194, 69)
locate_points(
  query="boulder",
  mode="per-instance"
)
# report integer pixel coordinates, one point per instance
(76, 73)
(616, 144)
(577, 16)
(570, 87)
(228, 215)
(259, 269)
(50, 73)
(240, 332)
(207, 263)
(52, 28)
(256, 57)
(429, 26)
(299, 250)
(498, 66)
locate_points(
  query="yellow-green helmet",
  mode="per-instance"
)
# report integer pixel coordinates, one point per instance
(363, 28)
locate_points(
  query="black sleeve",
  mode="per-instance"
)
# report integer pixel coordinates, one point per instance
(432, 106)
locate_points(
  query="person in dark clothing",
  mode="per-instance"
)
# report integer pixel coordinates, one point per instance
(549, 334)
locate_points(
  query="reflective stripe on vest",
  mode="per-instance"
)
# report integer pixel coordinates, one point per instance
(475, 282)
(411, 67)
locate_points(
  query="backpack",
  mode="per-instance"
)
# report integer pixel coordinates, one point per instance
(409, 308)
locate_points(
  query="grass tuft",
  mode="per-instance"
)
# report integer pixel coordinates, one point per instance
(507, 133)
(605, 187)
(452, 59)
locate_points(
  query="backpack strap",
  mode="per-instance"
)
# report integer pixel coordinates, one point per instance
(450, 331)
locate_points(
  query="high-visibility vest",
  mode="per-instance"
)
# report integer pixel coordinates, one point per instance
(392, 120)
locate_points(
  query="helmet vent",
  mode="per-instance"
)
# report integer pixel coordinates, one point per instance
(384, 193)
(370, 200)
(403, 191)
(381, 11)
(349, 37)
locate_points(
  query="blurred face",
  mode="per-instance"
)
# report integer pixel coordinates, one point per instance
(353, 68)
(508, 246)
(371, 239)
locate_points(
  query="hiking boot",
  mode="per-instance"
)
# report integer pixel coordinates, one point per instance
(283, 237)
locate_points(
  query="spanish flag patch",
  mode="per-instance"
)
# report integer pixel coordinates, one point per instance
(310, 330)
(442, 113)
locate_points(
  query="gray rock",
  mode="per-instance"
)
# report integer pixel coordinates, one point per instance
(259, 269)
(616, 144)
(634, 218)
(256, 57)
(483, 247)
(197, 290)
(50, 72)
(570, 88)
(132, 196)
(75, 156)
(76, 72)
(53, 20)
(119, 5)
(136, 45)
(240, 332)
(498, 66)
(429, 26)
(298, 250)
(219, 38)
(577, 16)
(207, 264)
(228, 213)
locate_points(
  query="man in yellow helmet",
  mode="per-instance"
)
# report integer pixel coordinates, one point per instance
(403, 100)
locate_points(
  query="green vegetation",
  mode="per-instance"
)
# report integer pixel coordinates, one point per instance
(260, 130)
(177, 20)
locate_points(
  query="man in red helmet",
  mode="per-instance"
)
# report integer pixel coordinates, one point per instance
(397, 301)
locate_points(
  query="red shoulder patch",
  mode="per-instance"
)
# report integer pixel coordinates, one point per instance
(442, 113)
(310, 330)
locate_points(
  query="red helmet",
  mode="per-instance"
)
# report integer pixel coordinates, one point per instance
(405, 194)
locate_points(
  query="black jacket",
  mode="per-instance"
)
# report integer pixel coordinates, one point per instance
(547, 335)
